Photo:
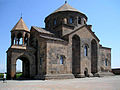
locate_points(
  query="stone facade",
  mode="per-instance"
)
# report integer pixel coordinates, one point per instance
(66, 48)
(105, 59)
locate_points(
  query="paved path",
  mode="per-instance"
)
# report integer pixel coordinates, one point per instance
(103, 83)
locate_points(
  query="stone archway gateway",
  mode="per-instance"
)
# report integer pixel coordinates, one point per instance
(28, 64)
(25, 68)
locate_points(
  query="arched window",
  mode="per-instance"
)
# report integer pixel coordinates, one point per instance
(14, 42)
(65, 20)
(19, 39)
(55, 22)
(79, 20)
(85, 51)
(62, 57)
(41, 60)
(71, 20)
(106, 62)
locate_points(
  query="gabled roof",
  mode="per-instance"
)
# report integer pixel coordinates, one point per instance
(51, 38)
(41, 30)
(82, 27)
(20, 26)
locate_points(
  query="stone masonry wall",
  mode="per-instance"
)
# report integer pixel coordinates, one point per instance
(54, 50)
(105, 54)
(42, 56)
(85, 39)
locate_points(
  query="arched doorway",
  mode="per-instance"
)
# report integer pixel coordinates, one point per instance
(94, 58)
(23, 65)
(86, 72)
(76, 55)
(19, 70)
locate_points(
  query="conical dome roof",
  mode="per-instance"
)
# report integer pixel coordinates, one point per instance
(66, 7)
(20, 26)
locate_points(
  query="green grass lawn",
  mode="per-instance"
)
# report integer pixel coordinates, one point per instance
(18, 75)
(1, 75)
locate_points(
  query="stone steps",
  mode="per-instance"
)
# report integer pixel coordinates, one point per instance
(102, 74)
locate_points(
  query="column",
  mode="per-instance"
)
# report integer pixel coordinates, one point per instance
(13, 71)
(23, 39)
(28, 39)
(15, 38)
(12, 40)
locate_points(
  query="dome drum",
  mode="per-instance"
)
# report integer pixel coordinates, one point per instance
(66, 17)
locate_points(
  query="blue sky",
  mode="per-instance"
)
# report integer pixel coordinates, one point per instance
(103, 15)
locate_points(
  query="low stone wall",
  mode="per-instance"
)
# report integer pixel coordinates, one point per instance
(116, 71)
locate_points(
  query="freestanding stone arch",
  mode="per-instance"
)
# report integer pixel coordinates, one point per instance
(94, 57)
(75, 55)
(28, 63)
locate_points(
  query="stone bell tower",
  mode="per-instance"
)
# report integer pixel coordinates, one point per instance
(20, 34)
(20, 49)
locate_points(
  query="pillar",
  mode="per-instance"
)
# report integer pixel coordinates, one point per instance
(15, 38)
(13, 71)
(77, 21)
(23, 38)
(28, 39)
(12, 40)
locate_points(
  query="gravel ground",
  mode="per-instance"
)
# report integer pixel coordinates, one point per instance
(94, 83)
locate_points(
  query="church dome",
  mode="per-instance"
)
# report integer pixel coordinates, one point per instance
(67, 7)
(65, 15)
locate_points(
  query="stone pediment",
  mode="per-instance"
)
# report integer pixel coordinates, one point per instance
(79, 28)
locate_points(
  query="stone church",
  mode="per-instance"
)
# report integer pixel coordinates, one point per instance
(66, 48)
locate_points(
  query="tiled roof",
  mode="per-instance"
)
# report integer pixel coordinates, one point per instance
(41, 30)
(20, 26)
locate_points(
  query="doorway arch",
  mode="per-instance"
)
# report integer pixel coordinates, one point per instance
(19, 70)
(94, 58)
(75, 55)
(86, 72)
(25, 68)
